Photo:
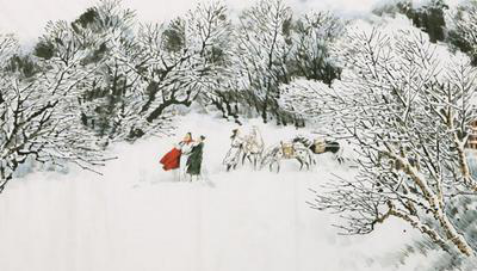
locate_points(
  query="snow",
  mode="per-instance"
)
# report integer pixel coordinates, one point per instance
(137, 217)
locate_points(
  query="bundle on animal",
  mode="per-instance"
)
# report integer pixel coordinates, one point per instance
(287, 151)
(321, 145)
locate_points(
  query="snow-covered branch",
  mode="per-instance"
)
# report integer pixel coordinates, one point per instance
(408, 106)
(39, 114)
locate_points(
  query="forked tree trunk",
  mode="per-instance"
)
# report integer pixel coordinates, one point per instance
(438, 213)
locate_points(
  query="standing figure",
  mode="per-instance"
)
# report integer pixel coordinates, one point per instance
(185, 146)
(177, 157)
(233, 155)
(194, 161)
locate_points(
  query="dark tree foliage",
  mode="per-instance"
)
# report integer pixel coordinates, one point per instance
(463, 45)
(23, 64)
(430, 18)
(175, 36)
(86, 18)
(97, 54)
(462, 29)
(44, 49)
(316, 68)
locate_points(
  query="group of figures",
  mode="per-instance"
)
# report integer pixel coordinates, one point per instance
(251, 147)
(185, 158)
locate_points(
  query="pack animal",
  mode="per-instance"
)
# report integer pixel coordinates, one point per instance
(287, 151)
(320, 146)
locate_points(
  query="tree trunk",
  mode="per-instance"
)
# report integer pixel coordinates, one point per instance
(4, 177)
(457, 239)
(462, 161)
(415, 223)
(435, 203)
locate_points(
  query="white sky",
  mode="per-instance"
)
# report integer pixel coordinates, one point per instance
(27, 18)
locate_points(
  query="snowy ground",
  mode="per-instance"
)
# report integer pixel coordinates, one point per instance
(136, 217)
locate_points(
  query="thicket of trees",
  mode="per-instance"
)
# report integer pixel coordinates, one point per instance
(106, 77)
(39, 112)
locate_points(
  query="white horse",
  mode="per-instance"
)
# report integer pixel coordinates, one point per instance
(253, 147)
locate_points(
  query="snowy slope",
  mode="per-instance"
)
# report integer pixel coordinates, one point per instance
(136, 217)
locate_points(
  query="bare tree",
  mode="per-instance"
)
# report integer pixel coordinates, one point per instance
(406, 103)
(314, 34)
(39, 114)
(265, 44)
(143, 73)
(172, 64)
(107, 103)
(107, 32)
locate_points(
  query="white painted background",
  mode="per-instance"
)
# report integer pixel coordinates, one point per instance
(27, 18)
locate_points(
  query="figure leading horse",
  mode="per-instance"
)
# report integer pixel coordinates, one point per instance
(249, 147)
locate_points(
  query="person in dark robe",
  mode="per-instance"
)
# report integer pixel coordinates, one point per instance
(194, 162)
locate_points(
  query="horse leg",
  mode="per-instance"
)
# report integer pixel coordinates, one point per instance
(301, 163)
(338, 156)
(257, 161)
(270, 166)
(244, 158)
(249, 159)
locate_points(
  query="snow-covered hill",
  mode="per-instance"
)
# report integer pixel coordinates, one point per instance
(138, 218)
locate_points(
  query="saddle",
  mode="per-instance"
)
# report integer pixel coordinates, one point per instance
(319, 146)
(288, 150)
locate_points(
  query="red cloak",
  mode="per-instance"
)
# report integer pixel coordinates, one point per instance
(171, 159)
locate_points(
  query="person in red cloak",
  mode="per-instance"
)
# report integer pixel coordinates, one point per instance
(172, 159)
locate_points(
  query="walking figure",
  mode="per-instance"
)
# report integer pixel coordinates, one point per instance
(233, 156)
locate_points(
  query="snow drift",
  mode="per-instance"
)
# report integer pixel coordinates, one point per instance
(137, 217)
